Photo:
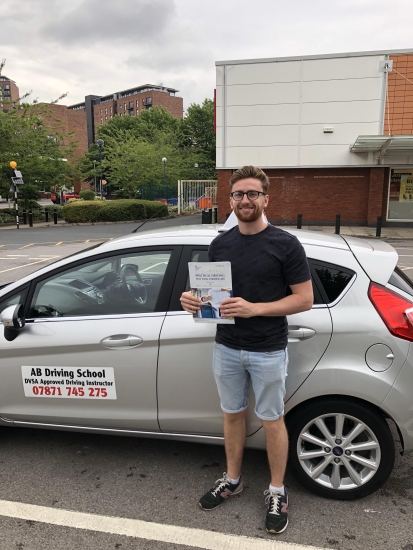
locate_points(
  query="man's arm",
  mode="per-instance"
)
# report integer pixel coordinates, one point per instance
(301, 299)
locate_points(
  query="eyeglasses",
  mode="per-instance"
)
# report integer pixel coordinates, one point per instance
(252, 195)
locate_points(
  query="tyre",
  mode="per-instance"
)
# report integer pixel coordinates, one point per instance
(340, 449)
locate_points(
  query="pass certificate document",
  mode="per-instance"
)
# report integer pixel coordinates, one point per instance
(212, 283)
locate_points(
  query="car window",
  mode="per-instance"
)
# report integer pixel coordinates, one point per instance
(332, 279)
(401, 281)
(121, 284)
(13, 299)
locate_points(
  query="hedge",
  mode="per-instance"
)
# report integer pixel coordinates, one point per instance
(121, 210)
(154, 208)
(8, 215)
(104, 211)
(87, 195)
(82, 211)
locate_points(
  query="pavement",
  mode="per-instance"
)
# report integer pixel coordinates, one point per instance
(387, 233)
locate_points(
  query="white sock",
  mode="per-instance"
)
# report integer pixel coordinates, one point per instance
(277, 489)
(233, 481)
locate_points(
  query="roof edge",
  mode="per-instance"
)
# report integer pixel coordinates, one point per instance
(314, 57)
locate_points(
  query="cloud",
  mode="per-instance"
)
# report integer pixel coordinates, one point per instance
(97, 21)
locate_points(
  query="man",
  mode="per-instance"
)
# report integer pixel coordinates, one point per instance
(265, 261)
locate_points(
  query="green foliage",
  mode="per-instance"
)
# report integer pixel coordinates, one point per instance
(87, 195)
(154, 208)
(8, 215)
(134, 147)
(25, 130)
(82, 211)
(121, 210)
(28, 204)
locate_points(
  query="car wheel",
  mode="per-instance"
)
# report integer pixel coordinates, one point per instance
(340, 449)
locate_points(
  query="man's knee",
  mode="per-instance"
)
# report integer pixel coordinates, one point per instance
(274, 426)
(235, 417)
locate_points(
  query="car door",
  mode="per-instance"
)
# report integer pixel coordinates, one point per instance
(187, 394)
(88, 353)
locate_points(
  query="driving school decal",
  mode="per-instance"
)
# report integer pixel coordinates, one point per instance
(67, 382)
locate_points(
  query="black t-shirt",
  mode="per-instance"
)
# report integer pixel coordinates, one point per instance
(263, 266)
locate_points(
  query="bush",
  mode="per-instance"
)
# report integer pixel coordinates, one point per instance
(82, 211)
(121, 210)
(87, 195)
(28, 205)
(6, 218)
(154, 208)
(104, 211)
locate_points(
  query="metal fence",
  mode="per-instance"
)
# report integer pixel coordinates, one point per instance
(196, 194)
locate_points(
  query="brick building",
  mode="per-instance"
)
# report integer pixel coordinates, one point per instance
(99, 109)
(334, 133)
(9, 92)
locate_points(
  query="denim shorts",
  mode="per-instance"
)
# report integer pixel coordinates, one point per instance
(235, 370)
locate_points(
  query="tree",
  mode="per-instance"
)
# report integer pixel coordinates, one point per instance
(197, 134)
(25, 138)
(134, 148)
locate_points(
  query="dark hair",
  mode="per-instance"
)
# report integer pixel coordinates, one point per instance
(250, 172)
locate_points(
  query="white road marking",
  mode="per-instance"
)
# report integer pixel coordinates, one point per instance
(194, 538)
(20, 266)
(17, 255)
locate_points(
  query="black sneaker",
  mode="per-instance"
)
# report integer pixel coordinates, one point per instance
(218, 494)
(277, 516)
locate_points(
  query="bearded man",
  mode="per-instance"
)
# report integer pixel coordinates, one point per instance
(265, 262)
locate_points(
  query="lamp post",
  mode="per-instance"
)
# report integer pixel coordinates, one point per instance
(94, 170)
(196, 170)
(164, 177)
(100, 143)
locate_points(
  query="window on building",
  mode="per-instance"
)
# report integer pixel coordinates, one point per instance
(106, 117)
(400, 203)
(124, 106)
(101, 120)
(106, 111)
(111, 109)
(101, 111)
(130, 104)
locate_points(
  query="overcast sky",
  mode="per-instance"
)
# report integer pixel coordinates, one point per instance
(99, 46)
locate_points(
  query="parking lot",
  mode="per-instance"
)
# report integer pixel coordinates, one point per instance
(79, 488)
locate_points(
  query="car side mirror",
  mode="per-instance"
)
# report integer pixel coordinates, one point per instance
(12, 318)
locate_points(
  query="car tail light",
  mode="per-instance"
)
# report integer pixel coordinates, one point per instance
(396, 311)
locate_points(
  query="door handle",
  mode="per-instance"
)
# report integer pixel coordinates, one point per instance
(121, 341)
(301, 333)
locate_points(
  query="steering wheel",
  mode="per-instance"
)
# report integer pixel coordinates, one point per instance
(132, 280)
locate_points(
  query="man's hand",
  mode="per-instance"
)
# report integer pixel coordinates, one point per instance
(237, 307)
(190, 303)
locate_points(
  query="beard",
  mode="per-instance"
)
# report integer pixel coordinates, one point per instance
(253, 213)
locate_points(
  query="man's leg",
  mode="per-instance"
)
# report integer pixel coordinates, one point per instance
(234, 434)
(268, 372)
(277, 449)
(233, 385)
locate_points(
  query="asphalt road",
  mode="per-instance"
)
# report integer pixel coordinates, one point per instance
(160, 482)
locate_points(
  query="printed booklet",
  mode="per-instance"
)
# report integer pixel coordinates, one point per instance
(212, 283)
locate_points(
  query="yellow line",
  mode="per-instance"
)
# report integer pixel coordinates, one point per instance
(1, 245)
(87, 241)
(26, 246)
(57, 244)
(20, 266)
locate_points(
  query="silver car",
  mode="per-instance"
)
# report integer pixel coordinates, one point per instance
(98, 342)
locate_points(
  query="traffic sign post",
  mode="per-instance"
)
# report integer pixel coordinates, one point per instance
(17, 180)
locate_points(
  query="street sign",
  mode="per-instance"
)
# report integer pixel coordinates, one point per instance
(17, 181)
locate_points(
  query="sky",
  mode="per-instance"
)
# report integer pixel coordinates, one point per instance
(85, 47)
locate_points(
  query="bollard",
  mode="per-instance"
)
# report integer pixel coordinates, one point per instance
(55, 217)
(215, 215)
(204, 216)
(30, 219)
(337, 231)
(378, 226)
(46, 213)
(210, 215)
(24, 216)
(299, 221)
